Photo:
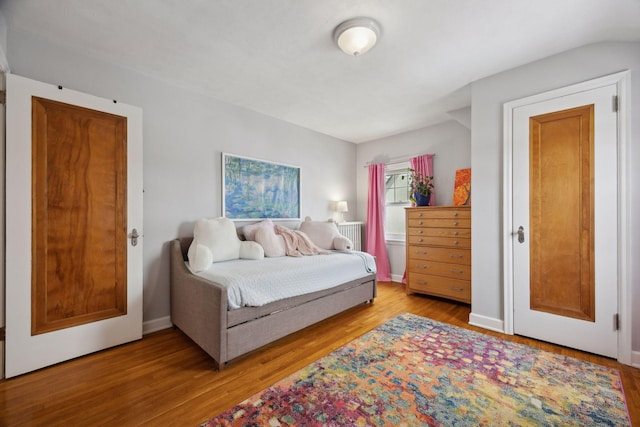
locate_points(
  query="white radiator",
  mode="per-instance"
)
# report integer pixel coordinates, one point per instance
(352, 231)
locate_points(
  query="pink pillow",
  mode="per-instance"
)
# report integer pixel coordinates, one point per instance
(250, 230)
(272, 243)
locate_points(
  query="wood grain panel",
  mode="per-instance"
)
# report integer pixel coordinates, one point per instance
(79, 216)
(561, 213)
(454, 242)
(440, 222)
(455, 271)
(439, 232)
(459, 290)
(455, 256)
(445, 212)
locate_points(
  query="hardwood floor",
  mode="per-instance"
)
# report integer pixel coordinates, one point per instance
(166, 380)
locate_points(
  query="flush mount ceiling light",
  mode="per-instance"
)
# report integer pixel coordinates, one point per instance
(356, 36)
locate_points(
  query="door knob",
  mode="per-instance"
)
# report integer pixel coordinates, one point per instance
(521, 234)
(134, 237)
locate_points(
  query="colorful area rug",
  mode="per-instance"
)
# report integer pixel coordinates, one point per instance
(414, 371)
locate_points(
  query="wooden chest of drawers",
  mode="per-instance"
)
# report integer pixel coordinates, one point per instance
(439, 251)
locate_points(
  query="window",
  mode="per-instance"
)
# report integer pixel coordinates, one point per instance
(396, 182)
(397, 187)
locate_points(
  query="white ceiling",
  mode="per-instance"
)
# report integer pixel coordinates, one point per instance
(278, 57)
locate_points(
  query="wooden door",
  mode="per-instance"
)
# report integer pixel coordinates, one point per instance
(74, 279)
(561, 211)
(79, 239)
(565, 200)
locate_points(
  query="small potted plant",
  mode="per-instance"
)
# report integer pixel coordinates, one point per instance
(421, 187)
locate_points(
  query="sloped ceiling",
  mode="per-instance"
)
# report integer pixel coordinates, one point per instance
(277, 57)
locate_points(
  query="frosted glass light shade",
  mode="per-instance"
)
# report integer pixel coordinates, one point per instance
(356, 36)
(341, 206)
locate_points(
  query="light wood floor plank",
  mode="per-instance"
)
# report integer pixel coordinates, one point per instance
(165, 379)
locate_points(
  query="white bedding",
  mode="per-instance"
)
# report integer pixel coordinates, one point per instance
(259, 282)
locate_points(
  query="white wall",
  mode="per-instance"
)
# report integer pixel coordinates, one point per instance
(449, 141)
(4, 65)
(488, 97)
(184, 135)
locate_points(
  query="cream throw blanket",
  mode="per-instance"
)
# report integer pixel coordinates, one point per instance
(297, 243)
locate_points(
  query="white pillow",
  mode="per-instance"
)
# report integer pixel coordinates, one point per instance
(272, 243)
(200, 257)
(251, 250)
(220, 237)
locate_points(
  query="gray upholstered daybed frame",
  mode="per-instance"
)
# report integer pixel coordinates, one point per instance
(199, 308)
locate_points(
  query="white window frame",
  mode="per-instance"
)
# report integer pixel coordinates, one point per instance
(393, 168)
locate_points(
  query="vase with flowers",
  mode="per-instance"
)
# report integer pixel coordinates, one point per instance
(421, 187)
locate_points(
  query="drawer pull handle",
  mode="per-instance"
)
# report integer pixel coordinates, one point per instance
(453, 270)
(421, 266)
(455, 223)
(420, 240)
(419, 222)
(455, 233)
(422, 282)
(455, 214)
(456, 288)
(455, 242)
(421, 252)
(456, 256)
(421, 231)
(420, 215)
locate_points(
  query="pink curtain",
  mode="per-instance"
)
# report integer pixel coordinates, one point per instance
(376, 242)
(424, 165)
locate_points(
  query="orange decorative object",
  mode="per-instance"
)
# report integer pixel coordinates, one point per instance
(462, 187)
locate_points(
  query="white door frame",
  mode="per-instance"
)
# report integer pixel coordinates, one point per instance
(63, 344)
(2, 204)
(622, 82)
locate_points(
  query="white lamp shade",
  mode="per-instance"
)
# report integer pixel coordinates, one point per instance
(341, 206)
(356, 36)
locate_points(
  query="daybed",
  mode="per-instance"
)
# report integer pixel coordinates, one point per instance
(200, 308)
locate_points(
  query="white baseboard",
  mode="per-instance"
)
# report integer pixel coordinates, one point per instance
(485, 322)
(396, 278)
(635, 359)
(497, 325)
(156, 325)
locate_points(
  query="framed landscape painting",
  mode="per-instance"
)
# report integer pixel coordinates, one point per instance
(254, 189)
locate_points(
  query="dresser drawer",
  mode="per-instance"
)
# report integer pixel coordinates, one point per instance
(454, 256)
(454, 242)
(439, 232)
(440, 222)
(441, 286)
(433, 212)
(454, 271)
